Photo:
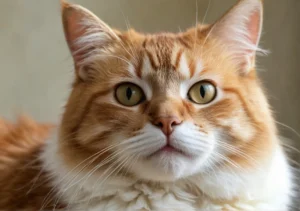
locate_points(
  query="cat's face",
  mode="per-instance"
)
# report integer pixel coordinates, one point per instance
(166, 106)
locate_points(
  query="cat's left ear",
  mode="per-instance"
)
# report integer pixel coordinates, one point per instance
(239, 31)
(86, 35)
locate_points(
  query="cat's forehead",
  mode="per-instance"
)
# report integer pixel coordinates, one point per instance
(164, 57)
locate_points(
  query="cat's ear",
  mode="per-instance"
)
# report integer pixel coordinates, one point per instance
(239, 31)
(85, 34)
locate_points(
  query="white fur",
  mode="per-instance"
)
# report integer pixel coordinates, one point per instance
(184, 67)
(131, 70)
(198, 68)
(266, 189)
(146, 67)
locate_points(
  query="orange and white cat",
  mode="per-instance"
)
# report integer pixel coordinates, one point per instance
(166, 121)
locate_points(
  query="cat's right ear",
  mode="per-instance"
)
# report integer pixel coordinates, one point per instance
(85, 34)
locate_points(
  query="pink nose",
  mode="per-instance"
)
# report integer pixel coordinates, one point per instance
(166, 124)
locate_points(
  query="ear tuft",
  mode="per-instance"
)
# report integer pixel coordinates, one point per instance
(85, 34)
(64, 5)
(239, 31)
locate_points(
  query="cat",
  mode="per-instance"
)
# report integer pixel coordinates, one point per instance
(160, 122)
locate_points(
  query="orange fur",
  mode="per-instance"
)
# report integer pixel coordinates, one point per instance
(22, 181)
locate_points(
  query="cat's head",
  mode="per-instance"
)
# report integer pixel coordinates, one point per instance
(165, 106)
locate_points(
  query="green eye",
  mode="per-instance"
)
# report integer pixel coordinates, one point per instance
(129, 94)
(202, 92)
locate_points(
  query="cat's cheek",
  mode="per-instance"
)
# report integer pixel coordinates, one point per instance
(239, 127)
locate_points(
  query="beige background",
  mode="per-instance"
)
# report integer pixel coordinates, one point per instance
(36, 69)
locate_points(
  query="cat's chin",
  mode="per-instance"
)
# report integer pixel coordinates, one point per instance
(166, 166)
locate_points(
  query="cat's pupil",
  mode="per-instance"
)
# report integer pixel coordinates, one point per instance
(202, 91)
(128, 93)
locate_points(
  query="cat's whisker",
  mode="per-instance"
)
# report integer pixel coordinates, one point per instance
(196, 136)
(198, 144)
(134, 160)
(106, 160)
(141, 143)
(252, 146)
(195, 141)
(208, 35)
(95, 183)
(231, 165)
(290, 147)
(242, 154)
(93, 157)
(203, 22)
(132, 49)
(115, 170)
(34, 181)
(206, 12)
(227, 160)
(95, 168)
(196, 29)
(143, 136)
(86, 177)
(236, 151)
(211, 166)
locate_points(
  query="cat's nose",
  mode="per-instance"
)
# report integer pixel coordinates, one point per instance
(167, 124)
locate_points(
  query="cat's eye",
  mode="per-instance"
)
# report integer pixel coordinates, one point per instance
(202, 92)
(129, 94)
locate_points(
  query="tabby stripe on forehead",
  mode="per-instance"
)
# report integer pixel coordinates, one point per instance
(149, 55)
(192, 67)
(184, 42)
(152, 62)
(145, 42)
(178, 57)
(139, 65)
(159, 56)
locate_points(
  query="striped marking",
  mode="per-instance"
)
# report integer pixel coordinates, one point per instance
(162, 55)
(86, 110)
(153, 60)
(183, 67)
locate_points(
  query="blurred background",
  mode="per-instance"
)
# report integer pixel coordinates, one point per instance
(36, 68)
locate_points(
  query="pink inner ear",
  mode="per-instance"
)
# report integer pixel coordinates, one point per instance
(253, 26)
(74, 31)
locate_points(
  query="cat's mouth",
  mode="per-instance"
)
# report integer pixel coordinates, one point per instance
(169, 149)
